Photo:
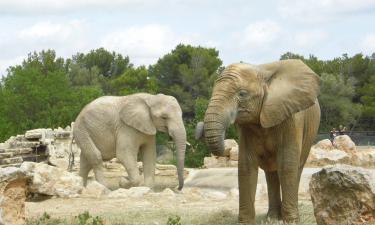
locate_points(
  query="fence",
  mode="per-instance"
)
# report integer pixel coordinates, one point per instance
(360, 138)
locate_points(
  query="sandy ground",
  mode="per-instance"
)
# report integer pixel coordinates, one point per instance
(154, 208)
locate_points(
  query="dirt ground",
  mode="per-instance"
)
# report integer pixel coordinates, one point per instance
(155, 209)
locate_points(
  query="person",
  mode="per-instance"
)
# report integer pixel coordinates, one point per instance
(332, 134)
(342, 130)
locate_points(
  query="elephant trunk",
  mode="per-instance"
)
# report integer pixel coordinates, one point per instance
(179, 138)
(215, 124)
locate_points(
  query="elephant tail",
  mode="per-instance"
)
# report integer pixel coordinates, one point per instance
(71, 155)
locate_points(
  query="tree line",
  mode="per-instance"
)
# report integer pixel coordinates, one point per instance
(49, 91)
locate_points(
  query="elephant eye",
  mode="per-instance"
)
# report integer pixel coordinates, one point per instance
(243, 93)
(164, 117)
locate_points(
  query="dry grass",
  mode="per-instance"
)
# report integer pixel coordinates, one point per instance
(159, 216)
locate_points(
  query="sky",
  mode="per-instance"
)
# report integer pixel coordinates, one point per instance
(145, 30)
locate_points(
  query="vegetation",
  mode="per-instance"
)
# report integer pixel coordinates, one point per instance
(82, 219)
(48, 91)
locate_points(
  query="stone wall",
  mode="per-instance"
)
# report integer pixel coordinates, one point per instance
(39, 145)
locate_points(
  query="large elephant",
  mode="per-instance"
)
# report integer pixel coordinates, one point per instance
(276, 112)
(120, 127)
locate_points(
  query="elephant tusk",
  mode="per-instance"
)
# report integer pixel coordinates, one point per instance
(188, 144)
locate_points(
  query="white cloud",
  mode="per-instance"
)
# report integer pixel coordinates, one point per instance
(49, 30)
(65, 37)
(144, 44)
(259, 35)
(309, 39)
(323, 10)
(48, 6)
(368, 44)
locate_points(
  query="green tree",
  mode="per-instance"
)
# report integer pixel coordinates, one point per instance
(368, 100)
(97, 68)
(132, 81)
(335, 102)
(38, 94)
(187, 73)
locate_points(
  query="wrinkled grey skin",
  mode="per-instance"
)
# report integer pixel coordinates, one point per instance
(120, 127)
(276, 112)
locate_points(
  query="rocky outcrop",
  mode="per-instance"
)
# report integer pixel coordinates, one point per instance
(94, 189)
(344, 143)
(229, 158)
(321, 157)
(39, 145)
(343, 194)
(325, 144)
(342, 151)
(13, 191)
(50, 180)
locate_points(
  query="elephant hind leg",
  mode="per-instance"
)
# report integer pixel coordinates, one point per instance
(84, 169)
(274, 198)
(91, 157)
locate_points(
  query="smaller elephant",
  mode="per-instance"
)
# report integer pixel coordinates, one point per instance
(120, 127)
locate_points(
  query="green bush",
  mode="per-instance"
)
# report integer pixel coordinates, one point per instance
(174, 220)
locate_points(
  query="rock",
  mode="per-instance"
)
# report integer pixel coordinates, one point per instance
(94, 189)
(213, 178)
(62, 134)
(325, 144)
(119, 193)
(137, 192)
(13, 190)
(343, 142)
(228, 145)
(343, 194)
(321, 157)
(36, 134)
(51, 180)
(234, 154)
(364, 158)
(168, 193)
(215, 162)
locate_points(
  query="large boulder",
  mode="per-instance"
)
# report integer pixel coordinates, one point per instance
(50, 180)
(325, 144)
(364, 158)
(343, 194)
(321, 157)
(229, 144)
(94, 189)
(345, 143)
(13, 191)
(215, 162)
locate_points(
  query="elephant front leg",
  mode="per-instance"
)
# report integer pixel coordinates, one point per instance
(289, 179)
(274, 198)
(149, 159)
(128, 158)
(247, 184)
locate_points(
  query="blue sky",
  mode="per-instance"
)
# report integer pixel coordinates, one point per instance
(242, 30)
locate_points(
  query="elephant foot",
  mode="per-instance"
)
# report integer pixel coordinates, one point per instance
(291, 220)
(252, 222)
(126, 183)
(274, 214)
(246, 223)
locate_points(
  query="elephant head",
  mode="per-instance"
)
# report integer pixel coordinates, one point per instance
(149, 113)
(263, 95)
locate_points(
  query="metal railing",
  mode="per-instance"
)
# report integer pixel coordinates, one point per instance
(360, 138)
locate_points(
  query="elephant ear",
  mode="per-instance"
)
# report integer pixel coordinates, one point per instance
(136, 113)
(291, 87)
